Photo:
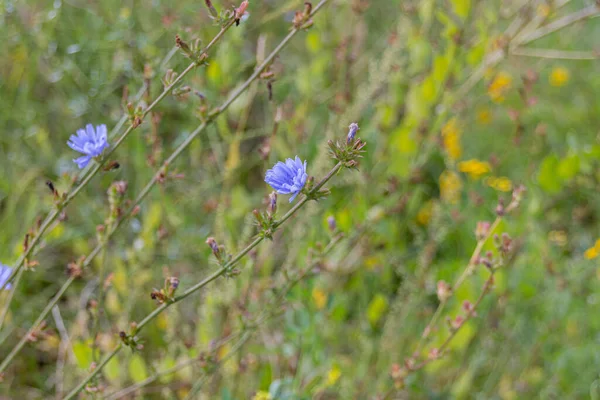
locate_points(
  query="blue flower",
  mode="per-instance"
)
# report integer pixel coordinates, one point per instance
(287, 178)
(90, 142)
(4, 275)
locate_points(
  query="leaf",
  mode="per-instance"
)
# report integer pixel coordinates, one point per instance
(376, 309)
(137, 368)
(83, 354)
(547, 177)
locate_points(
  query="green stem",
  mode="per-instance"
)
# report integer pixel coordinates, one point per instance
(109, 234)
(51, 217)
(221, 271)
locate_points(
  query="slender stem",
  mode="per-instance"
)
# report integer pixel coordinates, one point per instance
(132, 210)
(96, 168)
(556, 54)
(560, 23)
(268, 313)
(38, 321)
(198, 384)
(486, 288)
(9, 299)
(221, 271)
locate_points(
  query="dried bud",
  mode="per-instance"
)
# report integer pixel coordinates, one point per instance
(482, 230)
(120, 187)
(52, 189)
(500, 208)
(352, 132)
(434, 353)
(444, 291)
(457, 322)
(258, 216)
(468, 308)
(182, 45)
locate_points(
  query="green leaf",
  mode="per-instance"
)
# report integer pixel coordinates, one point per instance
(376, 309)
(137, 368)
(547, 177)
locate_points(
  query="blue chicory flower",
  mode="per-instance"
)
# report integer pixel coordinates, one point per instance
(287, 178)
(90, 142)
(5, 272)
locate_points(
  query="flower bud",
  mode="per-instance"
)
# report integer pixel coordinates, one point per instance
(272, 208)
(353, 128)
(331, 223)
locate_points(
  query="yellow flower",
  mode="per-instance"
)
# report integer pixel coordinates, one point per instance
(501, 183)
(593, 251)
(499, 86)
(558, 237)
(424, 214)
(333, 375)
(319, 298)
(450, 186)
(484, 116)
(474, 168)
(262, 395)
(559, 76)
(543, 10)
(451, 138)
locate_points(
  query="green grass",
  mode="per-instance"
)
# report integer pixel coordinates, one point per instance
(400, 69)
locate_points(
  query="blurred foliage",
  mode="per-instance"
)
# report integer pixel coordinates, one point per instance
(442, 149)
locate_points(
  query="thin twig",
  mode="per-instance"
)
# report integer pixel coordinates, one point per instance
(132, 210)
(201, 284)
(556, 54)
(51, 217)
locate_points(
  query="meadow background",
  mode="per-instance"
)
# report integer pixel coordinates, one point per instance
(460, 102)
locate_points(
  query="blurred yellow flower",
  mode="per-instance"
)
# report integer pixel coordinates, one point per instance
(474, 168)
(543, 10)
(451, 138)
(559, 76)
(333, 375)
(499, 86)
(558, 237)
(319, 298)
(500, 183)
(593, 251)
(262, 395)
(484, 116)
(424, 213)
(450, 186)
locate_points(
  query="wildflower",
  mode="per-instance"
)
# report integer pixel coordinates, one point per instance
(593, 251)
(353, 128)
(451, 138)
(288, 178)
(558, 237)
(484, 116)
(502, 183)
(450, 186)
(424, 213)
(5, 272)
(482, 230)
(444, 291)
(474, 168)
(319, 298)
(559, 76)
(333, 375)
(499, 86)
(262, 395)
(90, 142)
